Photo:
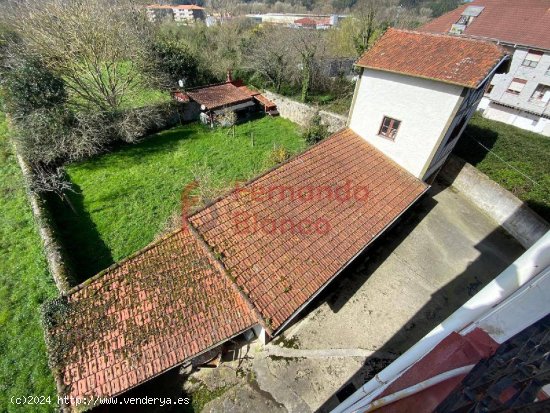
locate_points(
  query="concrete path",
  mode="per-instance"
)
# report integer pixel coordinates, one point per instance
(440, 255)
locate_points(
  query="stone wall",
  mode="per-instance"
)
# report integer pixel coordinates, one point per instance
(302, 113)
(515, 217)
(52, 248)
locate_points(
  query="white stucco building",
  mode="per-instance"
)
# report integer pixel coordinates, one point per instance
(521, 96)
(186, 13)
(414, 106)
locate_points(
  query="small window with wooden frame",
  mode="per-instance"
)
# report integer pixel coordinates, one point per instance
(389, 127)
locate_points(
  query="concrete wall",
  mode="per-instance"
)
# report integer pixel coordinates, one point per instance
(301, 113)
(423, 106)
(501, 205)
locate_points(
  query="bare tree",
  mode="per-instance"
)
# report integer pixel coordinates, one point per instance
(310, 45)
(97, 46)
(271, 55)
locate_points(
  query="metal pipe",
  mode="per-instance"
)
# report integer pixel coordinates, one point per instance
(530, 264)
(417, 388)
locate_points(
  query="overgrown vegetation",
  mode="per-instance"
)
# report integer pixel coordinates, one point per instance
(124, 198)
(24, 285)
(512, 157)
(315, 131)
(201, 396)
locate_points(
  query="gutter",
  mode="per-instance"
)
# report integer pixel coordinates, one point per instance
(518, 274)
(492, 72)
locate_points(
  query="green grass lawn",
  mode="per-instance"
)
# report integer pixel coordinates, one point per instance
(24, 285)
(124, 198)
(518, 160)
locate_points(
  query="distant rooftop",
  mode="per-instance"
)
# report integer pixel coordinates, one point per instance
(445, 58)
(525, 22)
(216, 96)
(178, 7)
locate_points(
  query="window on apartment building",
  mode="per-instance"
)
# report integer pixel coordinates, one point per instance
(516, 86)
(489, 89)
(389, 127)
(541, 95)
(532, 59)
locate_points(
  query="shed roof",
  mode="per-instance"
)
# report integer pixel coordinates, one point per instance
(166, 304)
(204, 284)
(450, 59)
(219, 95)
(284, 236)
(525, 22)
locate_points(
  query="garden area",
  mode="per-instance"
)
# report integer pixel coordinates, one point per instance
(25, 284)
(514, 158)
(124, 199)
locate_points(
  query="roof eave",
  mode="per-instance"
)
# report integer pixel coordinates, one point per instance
(469, 86)
(348, 263)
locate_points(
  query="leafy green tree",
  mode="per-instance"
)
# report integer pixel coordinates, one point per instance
(172, 61)
(29, 85)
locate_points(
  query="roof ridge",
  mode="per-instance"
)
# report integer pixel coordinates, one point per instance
(221, 267)
(207, 86)
(446, 35)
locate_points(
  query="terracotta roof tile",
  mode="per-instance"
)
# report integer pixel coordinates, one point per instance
(525, 22)
(142, 317)
(446, 58)
(217, 96)
(263, 233)
(202, 285)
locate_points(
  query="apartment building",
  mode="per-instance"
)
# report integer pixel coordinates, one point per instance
(186, 13)
(521, 96)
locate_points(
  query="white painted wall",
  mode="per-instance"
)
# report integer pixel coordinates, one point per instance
(521, 103)
(423, 106)
(517, 117)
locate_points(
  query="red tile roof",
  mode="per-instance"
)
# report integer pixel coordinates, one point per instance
(155, 310)
(306, 21)
(188, 7)
(202, 285)
(217, 96)
(180, 96)
(247, 90)
(525, 22)
(268, 242)
(449, 59)
(267, 104)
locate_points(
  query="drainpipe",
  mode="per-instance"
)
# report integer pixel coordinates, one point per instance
(525, 268)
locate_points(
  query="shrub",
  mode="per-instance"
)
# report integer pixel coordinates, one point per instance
(315, 130)
(278, 155)
(171, 61)
(30, 86)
